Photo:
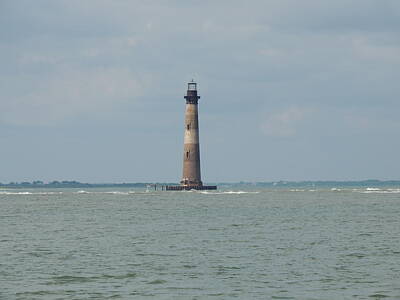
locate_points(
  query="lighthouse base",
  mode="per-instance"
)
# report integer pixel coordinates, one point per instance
(190, 187)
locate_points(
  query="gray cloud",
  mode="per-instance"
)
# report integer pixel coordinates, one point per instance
(285, 123)
(70, 93)
(316, 72)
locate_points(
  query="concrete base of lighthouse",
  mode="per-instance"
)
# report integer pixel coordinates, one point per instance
(190, 187)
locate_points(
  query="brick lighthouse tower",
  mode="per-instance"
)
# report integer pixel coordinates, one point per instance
(191, 175)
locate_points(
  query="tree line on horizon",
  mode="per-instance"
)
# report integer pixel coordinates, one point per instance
(77, 184)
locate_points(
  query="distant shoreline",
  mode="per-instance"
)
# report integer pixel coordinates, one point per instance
(276, 184)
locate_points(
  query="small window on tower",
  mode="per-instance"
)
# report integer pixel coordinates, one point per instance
(188, 126)
(187, 154)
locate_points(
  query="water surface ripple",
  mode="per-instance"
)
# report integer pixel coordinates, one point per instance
(267, 244)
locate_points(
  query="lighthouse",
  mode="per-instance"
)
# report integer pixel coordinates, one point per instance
(191, 174)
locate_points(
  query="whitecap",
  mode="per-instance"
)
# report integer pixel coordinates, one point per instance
(227, 193)
(379, 191)
(28, 193)
(81, 192)
(48, 193)
(116, 193)
(15, 193)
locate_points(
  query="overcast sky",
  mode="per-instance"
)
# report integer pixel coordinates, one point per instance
(290, 90)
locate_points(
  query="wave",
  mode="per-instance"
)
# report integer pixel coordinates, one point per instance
(227, 193)
(59, 193)
(366, 190)
(372, 190)
(15, 193)
(29, 193)
(380, 191)
(117, 193)
(82, 192)
(106, 192)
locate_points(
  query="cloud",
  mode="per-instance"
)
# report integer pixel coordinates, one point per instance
(368, 50)
(126, 63)
(284, 123)
(69, 93)
(372, 122)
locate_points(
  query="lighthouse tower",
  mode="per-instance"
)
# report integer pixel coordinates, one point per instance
(191, 175)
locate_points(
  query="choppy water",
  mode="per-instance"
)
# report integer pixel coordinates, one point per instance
(253, 244)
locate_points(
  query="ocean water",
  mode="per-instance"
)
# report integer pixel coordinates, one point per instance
(249, 244)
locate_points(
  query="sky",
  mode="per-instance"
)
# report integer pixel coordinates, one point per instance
(290, 90)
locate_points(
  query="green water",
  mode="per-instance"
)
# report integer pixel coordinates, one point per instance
(256, 244)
